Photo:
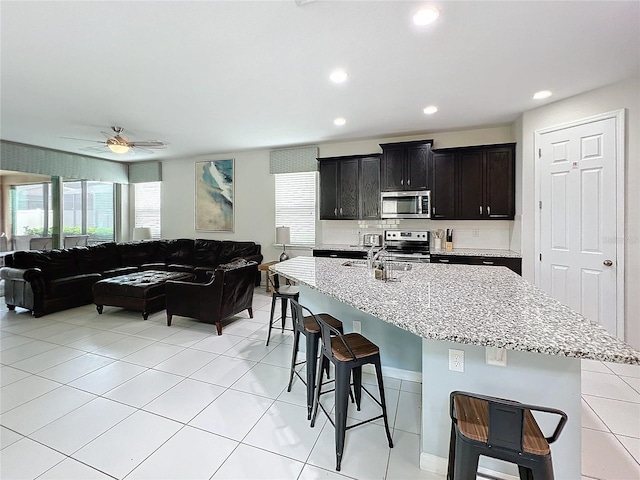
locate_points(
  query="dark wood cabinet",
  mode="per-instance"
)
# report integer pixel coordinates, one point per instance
(443, 190)
(514, 264)
(405, 166)
(352, 254)
(474, 183)
(350, 187)
(370, 187)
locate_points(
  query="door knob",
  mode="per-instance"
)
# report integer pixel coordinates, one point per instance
(607, 263)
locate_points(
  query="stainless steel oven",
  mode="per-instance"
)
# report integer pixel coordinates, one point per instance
(407, 246)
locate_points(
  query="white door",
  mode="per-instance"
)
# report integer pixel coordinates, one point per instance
(577, 171)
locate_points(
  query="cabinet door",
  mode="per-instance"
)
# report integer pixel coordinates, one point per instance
(370, 188)
(392, 170)
(471, 187)
(328, 190)
(443, 190)
(417, 174)
(499, 183)
(348, 208)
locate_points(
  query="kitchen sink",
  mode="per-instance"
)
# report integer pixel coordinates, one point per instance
(355, 263)
(398, 266)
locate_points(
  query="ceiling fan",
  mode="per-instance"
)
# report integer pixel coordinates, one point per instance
(119, 143)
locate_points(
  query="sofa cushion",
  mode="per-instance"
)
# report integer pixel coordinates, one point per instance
(137, 253)
(231, 250)
(206, 252)
(53, 263)
(70, 286)
(175, 251)
(237, 263)
(97, 258)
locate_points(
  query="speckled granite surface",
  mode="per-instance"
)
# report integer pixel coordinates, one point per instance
(475, 305)
(479, 252)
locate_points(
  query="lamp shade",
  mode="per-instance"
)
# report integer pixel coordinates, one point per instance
(283, 235)
(142, 233)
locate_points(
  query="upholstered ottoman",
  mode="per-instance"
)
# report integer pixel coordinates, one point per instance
(144, 291)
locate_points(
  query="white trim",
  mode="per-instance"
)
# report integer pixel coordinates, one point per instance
(397, 373)
(619, 117)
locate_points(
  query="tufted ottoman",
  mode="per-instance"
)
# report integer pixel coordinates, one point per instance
(142, 291)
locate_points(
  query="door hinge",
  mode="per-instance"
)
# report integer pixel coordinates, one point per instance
(539, 153)
(540, 204)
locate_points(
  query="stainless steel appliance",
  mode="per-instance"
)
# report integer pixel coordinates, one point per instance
(416, 204)
(372, 239)
(407, 246)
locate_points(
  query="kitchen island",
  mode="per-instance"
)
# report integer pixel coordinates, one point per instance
(467, 308)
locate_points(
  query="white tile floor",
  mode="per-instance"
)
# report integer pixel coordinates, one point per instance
(85, 396)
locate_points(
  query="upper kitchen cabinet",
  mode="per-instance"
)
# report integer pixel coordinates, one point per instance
(474, 183)
(405, 166)
(350, 187)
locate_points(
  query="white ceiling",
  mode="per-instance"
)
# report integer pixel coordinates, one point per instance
(220, 76)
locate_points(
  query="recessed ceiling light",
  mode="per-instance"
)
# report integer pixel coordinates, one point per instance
(542, 94)
(338, 76)
(425, 16)
(430, 110)
(339, 121)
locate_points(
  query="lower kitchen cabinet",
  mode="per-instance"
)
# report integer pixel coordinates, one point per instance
(354, 254)
(514, 264)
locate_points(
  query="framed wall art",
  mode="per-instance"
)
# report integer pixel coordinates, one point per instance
(214, 195)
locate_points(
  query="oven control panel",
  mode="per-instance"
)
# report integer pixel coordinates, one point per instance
(406, 235)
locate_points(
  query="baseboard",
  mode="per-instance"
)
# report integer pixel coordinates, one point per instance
(395, 373)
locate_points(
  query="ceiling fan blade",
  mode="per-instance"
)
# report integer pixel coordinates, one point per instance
(149, 144)
(137, 147)
(86, 140)
(102, 149)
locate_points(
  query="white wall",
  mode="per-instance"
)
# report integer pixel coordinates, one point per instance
(255, 190)
(606, 99)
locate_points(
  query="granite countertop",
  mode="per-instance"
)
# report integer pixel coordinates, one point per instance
(478, 252)
(467, 304)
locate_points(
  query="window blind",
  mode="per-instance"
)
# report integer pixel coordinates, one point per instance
(296, 205)
(147, 207)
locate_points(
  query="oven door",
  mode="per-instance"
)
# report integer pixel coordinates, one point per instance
(409, 257)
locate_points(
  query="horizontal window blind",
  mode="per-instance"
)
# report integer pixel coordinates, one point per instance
(296, 205)
(147, 207)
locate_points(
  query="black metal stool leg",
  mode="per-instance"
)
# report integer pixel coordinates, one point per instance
(357, 385)
(294, 355)
(312, 363)
(273, 309)
(318, 390)
(342, 403)
(284, 312)
(382, 398)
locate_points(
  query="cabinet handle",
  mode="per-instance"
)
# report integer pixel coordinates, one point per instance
(434, 210)
(480, 209)
(333, 255)
(488, 210)
(409, 182)
(442, 260)
(401, 182)
(340, 211)
(335, 211)
(486, 262)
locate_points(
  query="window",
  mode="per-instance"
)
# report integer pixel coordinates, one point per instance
(88, 209)
(147, 207)
(31, 210)
(296, 205)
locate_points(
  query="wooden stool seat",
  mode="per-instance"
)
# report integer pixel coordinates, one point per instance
(311, 326)
(360, 347)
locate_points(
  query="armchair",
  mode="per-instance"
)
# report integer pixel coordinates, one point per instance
(229, 291)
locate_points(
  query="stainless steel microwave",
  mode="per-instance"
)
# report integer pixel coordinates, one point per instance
(416, 204)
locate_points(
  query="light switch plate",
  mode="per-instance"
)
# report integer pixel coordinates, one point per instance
(357, 326)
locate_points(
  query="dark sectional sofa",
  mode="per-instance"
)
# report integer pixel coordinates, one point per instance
(49, 281)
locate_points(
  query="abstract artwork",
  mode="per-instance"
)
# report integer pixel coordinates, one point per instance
(214, 195)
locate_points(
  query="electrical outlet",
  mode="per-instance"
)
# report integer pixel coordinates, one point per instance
(456, 360)
(357, 326)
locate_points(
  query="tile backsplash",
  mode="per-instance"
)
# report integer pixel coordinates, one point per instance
(495, 234)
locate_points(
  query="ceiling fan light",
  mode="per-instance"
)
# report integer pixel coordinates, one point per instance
(117, 148)
(425, 16)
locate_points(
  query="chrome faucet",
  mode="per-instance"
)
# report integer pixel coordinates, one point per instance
(371, 258)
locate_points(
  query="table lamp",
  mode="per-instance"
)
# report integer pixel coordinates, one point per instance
(283, 236)
(142, 233)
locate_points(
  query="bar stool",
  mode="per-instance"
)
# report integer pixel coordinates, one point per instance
(308, 326)
(348, 353)
(285, 293)
(498, 428)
